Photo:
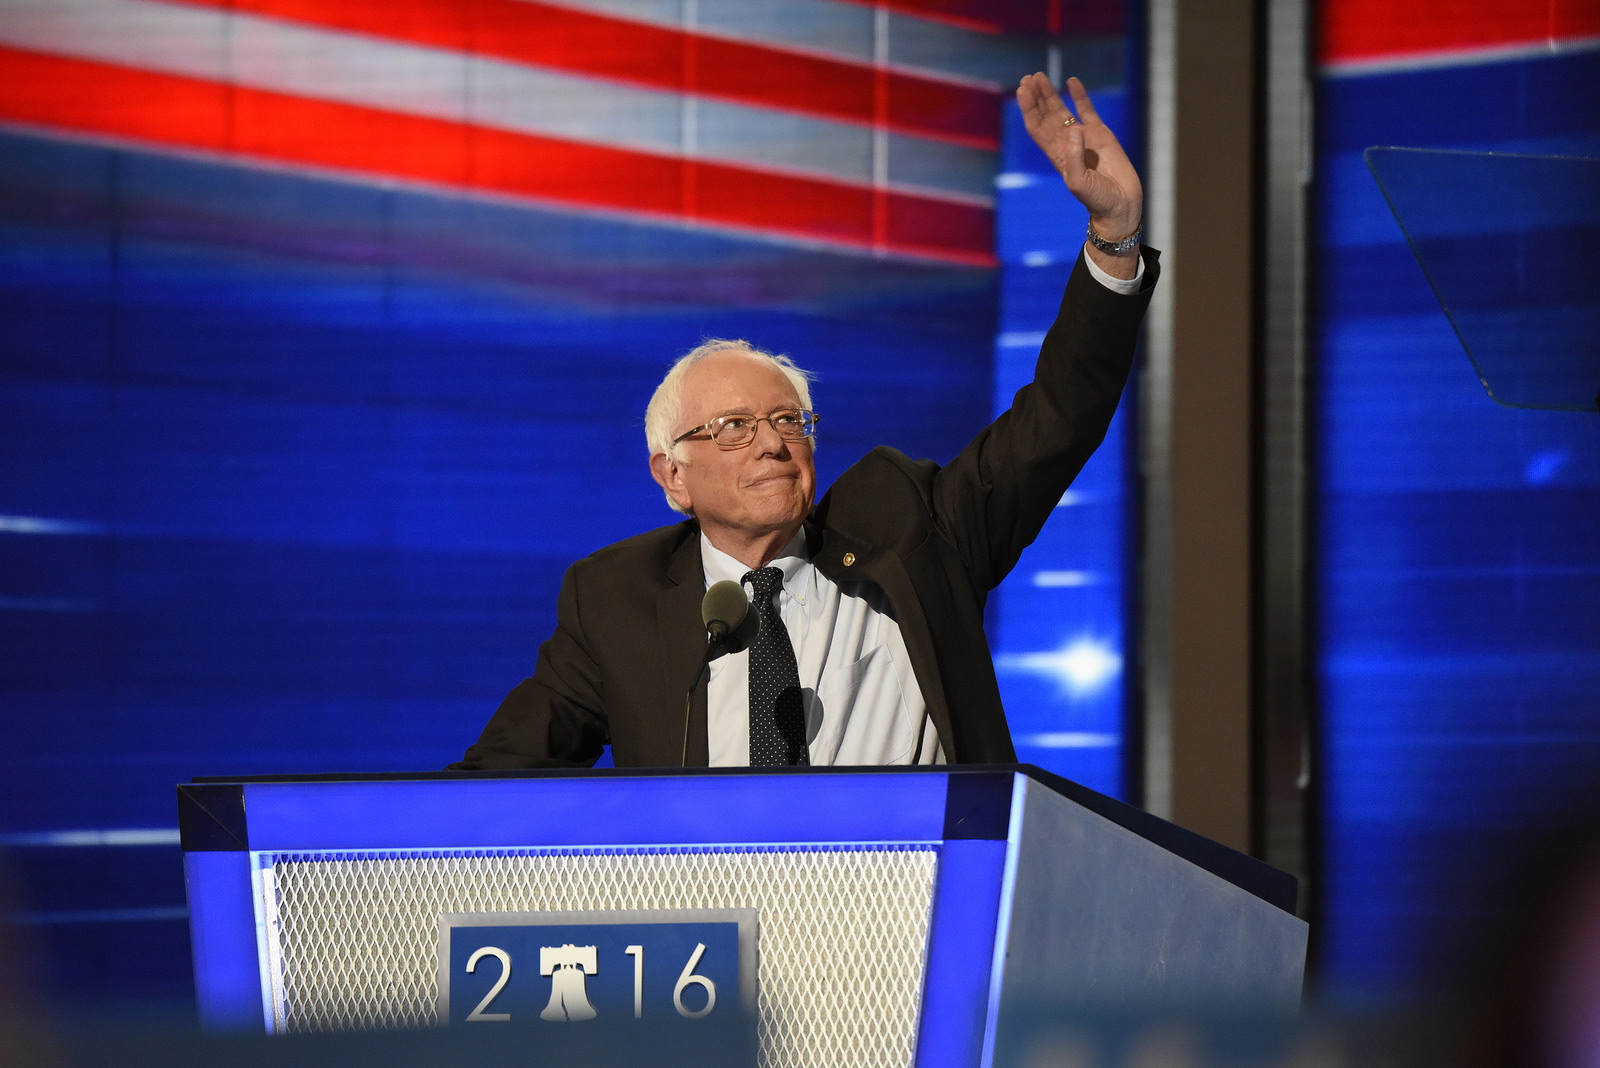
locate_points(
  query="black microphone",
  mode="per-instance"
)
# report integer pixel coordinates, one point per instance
(729, 622)
(730, 628)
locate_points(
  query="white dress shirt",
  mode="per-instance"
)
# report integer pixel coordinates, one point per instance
(1125, 286)
(862, 702)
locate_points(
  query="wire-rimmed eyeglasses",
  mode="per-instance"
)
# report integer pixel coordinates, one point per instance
(739, 429)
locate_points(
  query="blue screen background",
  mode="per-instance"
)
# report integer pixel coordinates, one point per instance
(1457, 546)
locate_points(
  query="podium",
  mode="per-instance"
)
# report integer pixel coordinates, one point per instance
(895, 916)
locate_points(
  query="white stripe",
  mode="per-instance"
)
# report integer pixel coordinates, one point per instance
(661, 12)
(880, 136)
(1070, 740)
(916, 162)
(981, 60)
(30, 524)
(689, 140)
(305, 61)
(175, 39)
(131, 836)
(784, 141)
(1463, 57)
(1021, 339)
(441, 84)
(509, 96)
(822, 27)
(831, 29)
(1066, 579)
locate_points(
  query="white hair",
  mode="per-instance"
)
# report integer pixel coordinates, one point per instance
(665, 411)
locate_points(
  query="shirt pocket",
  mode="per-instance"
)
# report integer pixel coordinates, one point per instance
(862, 713)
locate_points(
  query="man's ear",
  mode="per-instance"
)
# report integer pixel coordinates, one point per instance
(669, 476)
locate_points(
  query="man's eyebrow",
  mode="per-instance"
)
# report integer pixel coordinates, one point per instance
(785, 407)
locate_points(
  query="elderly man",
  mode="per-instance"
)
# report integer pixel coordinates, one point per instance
(871, 647)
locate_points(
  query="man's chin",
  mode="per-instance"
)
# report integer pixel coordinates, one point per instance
(780, 516)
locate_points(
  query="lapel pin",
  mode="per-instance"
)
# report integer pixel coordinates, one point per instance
(849, 558)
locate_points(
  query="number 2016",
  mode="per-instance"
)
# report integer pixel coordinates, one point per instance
(686, 979)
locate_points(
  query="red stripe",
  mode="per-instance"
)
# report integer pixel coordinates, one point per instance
(880, 117)
(913, 222)
(1089, 17)
(97, 98)
(921, 106)
(691, 180)
(584, 42)
(113, 100)
(1353, 30)
(1015, 16)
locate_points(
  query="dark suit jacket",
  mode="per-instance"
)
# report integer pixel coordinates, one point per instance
(628, 642)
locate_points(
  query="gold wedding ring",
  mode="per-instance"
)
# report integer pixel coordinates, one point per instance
(1070, 121)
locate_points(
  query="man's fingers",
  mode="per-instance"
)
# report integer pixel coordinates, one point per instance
(1081, 101)
(1028, 101)
(1070, 162)
(1085, 151)
(1040, 102)
(1052, 126)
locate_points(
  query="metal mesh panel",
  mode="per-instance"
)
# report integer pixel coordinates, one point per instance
(843, 933)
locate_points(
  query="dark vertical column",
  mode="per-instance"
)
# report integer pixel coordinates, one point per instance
(1282, 713)
(1199, 434)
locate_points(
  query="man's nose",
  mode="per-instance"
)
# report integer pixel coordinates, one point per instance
(768, 441)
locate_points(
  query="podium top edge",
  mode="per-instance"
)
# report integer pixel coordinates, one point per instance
(453, 775)
(974, 802)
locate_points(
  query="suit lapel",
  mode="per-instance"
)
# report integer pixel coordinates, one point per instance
(681, 639)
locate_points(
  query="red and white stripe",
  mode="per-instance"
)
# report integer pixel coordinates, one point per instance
(1372, 36)
(794, 119)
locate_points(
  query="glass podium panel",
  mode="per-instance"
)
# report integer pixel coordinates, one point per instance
(1511, 246)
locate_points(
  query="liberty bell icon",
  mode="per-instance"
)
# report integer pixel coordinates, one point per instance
(566, 965)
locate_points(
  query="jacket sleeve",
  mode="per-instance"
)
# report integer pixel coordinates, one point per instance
(555, 718)
(992, 500)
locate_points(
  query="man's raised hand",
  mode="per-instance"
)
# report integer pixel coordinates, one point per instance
(1090, 159)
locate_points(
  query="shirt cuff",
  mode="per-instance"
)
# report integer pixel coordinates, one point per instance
(1125, 286)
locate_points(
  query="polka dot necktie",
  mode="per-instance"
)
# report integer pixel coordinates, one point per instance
(777, 715)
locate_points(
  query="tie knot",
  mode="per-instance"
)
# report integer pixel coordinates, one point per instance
(765, 581)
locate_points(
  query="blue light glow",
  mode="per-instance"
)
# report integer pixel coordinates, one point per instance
(1070, 740)
(32, 524)
(1065, 579)
(1083, 667)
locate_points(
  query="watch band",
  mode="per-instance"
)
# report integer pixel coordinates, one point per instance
(1116, 246)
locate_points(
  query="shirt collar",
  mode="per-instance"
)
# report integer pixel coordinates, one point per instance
(792, 560)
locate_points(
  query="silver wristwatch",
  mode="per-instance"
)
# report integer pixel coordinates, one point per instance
(1116, 246)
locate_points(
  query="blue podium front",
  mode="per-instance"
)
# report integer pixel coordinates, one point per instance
(853, 917)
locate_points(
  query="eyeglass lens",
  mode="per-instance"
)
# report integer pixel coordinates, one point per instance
(738, 429)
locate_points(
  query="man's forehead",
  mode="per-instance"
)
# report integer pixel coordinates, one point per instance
(733, 381)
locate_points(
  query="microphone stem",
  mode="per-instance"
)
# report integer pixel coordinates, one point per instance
(712, 641)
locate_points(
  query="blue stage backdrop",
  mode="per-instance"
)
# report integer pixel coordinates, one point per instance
(1058, 623)
(325, 346)
(1458, 541)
